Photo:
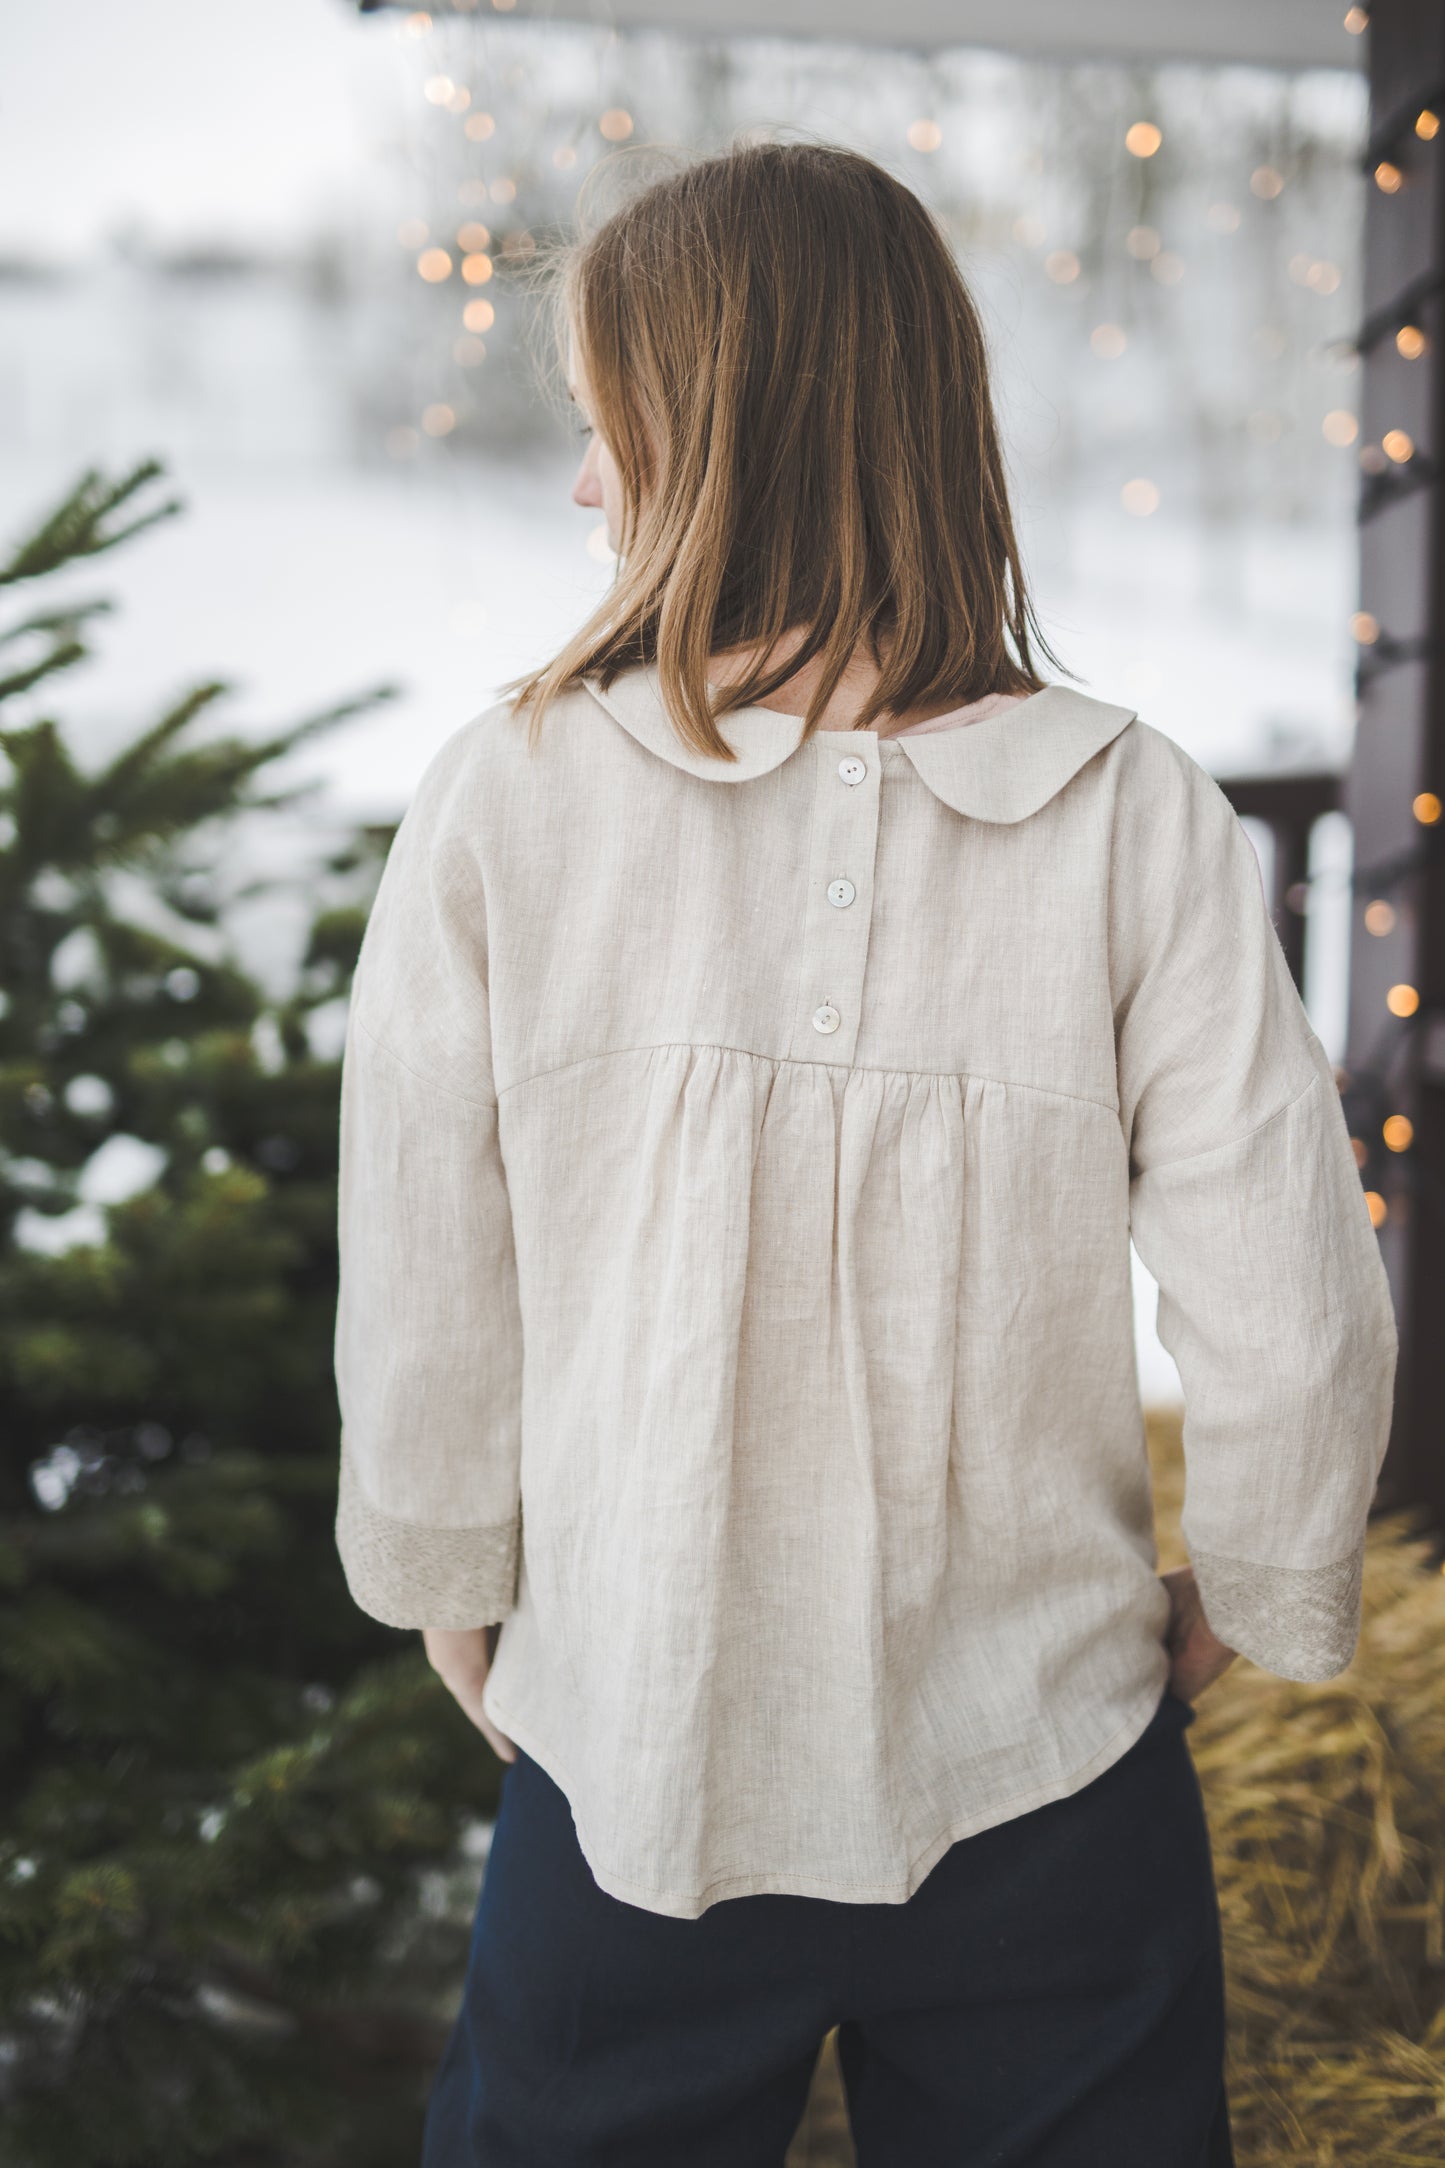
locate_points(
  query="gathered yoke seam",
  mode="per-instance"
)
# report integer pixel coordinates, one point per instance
(788, 1061)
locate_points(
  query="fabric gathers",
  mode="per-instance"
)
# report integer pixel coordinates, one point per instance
(739, 1165)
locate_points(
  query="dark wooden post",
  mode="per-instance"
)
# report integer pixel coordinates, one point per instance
(1394, 1088)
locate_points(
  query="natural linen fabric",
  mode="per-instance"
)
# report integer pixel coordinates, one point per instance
(776, 1386)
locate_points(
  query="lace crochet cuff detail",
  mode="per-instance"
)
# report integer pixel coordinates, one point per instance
(1299, 1622)
(408, 1575)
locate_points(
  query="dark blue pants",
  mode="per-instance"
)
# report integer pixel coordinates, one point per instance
(1050, 1996)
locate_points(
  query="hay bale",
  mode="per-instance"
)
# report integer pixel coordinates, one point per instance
(1327, 1814)
(1326, 1811)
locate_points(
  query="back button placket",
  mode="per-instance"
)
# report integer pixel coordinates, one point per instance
(839, 900)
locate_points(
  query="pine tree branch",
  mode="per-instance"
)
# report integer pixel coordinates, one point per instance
(62, 621)
(63, 628)
(63, 657)
(75, 528)
(143, 798)
(140, 759)
(315, 726)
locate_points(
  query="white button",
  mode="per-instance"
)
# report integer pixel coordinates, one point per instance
(853, 770)
(826, 1018)
(841, 893)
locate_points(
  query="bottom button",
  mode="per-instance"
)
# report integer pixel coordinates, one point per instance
(826, 1018)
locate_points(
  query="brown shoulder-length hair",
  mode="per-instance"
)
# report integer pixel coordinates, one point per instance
(789, 371)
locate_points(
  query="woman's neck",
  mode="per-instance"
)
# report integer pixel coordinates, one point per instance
(847, 700)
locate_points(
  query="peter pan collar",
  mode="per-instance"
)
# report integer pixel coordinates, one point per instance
(1000, 769)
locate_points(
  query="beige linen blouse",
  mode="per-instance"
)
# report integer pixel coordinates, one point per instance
(738, 1170)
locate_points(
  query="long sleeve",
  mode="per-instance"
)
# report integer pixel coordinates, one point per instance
(1246, 1206)
(428, 1343)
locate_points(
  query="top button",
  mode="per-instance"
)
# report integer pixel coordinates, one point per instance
(852, 769)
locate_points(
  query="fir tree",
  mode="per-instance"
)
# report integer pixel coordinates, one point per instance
(234, 1869)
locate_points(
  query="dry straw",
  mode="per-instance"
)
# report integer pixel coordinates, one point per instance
(1327, 1810)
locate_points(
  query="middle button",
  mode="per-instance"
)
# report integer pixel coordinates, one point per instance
(841, 893)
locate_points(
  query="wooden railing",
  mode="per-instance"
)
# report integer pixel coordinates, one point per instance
(1289, 805)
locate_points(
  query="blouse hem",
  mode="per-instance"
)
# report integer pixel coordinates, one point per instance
(680, 1905)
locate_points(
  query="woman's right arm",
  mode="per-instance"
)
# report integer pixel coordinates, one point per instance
(1246, 1206)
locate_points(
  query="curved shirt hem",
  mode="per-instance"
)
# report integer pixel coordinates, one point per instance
(680, 1905)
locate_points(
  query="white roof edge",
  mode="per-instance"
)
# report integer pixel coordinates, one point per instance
(1278, 34)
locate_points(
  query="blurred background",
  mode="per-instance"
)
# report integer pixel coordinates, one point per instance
(284, 498)
(272, 247)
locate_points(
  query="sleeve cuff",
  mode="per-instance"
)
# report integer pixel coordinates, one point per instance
(1300, 1622)
(409, 1575)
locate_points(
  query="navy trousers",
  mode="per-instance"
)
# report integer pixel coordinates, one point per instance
(1051, 1996)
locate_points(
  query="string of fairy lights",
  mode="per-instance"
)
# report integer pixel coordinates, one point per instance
(489, 236)
(1392, 465)
(471, 254)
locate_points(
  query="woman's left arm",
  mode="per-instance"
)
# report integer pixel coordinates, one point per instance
(428, 1342)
